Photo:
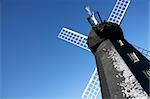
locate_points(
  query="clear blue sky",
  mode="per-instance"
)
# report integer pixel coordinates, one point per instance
(35, 64)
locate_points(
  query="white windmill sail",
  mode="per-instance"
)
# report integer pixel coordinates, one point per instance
(93, 88)
(119, 11)
(74, 37)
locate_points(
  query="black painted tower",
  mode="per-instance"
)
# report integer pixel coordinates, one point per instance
(124, 73)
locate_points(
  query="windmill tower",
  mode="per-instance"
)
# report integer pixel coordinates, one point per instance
(93, 88)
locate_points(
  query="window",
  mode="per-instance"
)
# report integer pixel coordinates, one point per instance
(147, 73)
(133, 57)
(120, 42)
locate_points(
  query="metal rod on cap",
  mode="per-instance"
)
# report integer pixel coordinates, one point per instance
(99, 17)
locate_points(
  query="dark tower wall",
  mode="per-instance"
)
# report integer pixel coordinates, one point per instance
(122, 75)
(140, 69)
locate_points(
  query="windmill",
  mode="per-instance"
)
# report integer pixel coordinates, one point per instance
(117, 14)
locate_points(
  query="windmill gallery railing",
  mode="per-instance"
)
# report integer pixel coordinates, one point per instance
(145, 52)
